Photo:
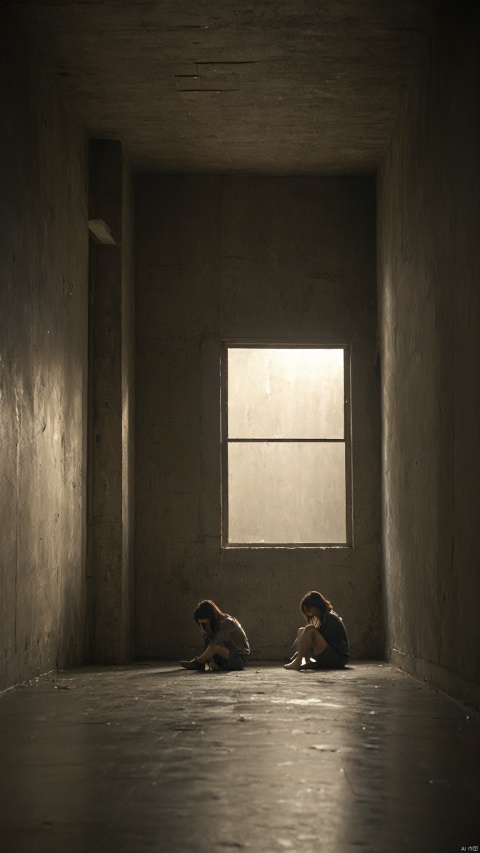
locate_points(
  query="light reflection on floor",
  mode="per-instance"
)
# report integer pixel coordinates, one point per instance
(151, 757)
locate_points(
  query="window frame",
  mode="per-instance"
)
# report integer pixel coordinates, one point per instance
(227, 344)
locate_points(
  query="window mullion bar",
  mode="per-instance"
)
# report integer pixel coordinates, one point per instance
(288, 440)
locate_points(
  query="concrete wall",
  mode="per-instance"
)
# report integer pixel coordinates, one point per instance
(245, 258)
(67, 586)
(429, 304)
(111, 446)
(43, 371)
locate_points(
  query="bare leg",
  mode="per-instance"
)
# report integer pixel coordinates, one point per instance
(211, 650)
(310, 642)
(298, 637)
(207, 657)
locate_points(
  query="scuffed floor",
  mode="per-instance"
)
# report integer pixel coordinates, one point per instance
(154, 758)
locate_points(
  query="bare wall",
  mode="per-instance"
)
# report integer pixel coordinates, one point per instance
(43, 359)
(429, 309)
(245, 258)
(111, 407)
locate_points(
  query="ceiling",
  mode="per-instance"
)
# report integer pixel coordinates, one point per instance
(269, 87)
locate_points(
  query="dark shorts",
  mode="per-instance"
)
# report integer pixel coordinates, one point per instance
(330, 659)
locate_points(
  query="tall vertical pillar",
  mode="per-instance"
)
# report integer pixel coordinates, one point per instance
(110, 521)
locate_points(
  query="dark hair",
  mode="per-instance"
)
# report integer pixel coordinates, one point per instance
(315, 599)
(207, 609)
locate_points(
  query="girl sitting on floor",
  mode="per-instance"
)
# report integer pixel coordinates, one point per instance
(225, 643)
(323, 642)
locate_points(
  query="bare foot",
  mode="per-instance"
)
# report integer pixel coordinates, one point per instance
(294, 664)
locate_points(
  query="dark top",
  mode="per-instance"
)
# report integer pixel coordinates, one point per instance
(334, 632)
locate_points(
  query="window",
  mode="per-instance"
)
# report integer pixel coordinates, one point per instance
(286, 446)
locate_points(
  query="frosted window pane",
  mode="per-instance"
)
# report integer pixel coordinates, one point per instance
(286, 493)
(285, 393)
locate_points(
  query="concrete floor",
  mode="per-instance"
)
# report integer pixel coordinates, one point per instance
(154, 758)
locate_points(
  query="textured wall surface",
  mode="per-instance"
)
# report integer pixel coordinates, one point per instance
(259, 259)
(429, 271)
(110, 469)
(43, 371)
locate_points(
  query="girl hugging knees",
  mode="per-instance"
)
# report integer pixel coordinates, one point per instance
(225, 644)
